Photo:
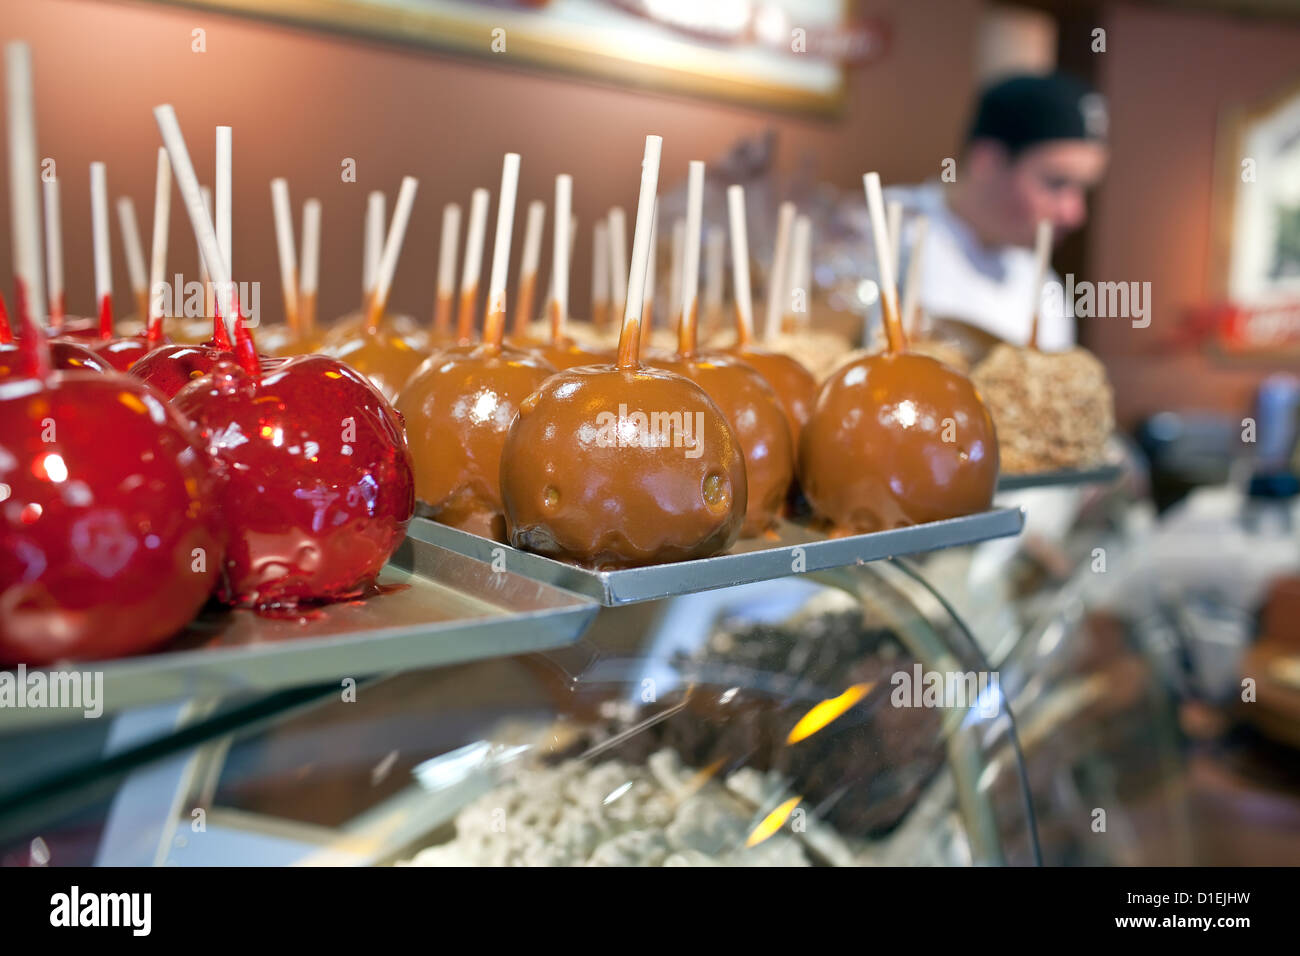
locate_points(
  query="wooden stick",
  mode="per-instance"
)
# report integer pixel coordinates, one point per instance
(54, 252)
(648, 300)
(387, 267)
(600, 274)
(528, 264)
(473, 266)
(372, 242)
(561, 240)
(884, 263)
(282, 210)
(776, 284)
(675, 273)
(894, 219)
(618, 259)
(309, 277)
(494, 324)
(445, 294)
(101, 249)
(224, 194)
(715, 259)
(218, 266)
(686, 335)
(630, 340)
(162, 210)
(131, 245)
(1042, 261)
(798, 271)
(912, 284)
(209, 291)
(740, 265)
(24, 204)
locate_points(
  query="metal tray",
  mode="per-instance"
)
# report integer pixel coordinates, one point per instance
(794, 549)
(1100, 475)
(435, 607)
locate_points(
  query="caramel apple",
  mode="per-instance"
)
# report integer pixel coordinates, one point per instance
(620, 465)
(895, 438)
(460, 403)
(109, 541)
(749, 404)
(794, 385)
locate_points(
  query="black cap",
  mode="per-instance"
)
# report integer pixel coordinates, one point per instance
(1021, 111)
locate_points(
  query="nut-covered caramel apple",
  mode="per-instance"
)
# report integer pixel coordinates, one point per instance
(109, 538)
(895, 438)
(750, 405)
(619, 465)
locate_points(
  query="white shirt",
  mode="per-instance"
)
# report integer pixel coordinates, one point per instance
(991, 288)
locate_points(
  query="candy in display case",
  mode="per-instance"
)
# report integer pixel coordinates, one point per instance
(841, 719)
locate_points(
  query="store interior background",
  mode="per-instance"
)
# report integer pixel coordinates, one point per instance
(302, 99)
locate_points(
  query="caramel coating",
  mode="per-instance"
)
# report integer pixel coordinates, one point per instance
(612, 468)
(794, 385)
(387, 360)
(896, 440)
(569, 354)
(755, 413)
(458, 406)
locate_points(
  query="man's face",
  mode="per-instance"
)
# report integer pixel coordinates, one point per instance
(1048, 181)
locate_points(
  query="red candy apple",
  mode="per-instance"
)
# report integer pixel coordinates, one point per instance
(109, 541)
(315, 482)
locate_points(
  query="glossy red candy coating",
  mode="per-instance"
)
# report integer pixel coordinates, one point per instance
(172, 367)
(64, 357)
(122, 353)
(315, 481)
(109, 540)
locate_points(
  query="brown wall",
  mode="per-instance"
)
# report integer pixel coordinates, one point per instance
(301, 100)
(1168, 76)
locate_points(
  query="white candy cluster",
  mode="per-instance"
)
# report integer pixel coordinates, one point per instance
(618, 814)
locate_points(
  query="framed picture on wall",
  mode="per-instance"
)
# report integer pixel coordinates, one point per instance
(787, 54)
(1257, 231)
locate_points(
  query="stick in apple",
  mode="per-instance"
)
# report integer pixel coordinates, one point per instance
(912, 285)
(690, 305)
(473, 265)
(884, 263)
(630, 340)
(777, 287)
(24, 206)
(446, 292)
(100, 247)
(494, 325)
(1042, 262)
(528, 264)
(309, 276)
(387, 267)
(600, 274)
(562, 238)
(162, 208)
(54, 252)
(282, 210)
(740, 265)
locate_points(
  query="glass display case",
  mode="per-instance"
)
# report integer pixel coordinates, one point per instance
(838, 718)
